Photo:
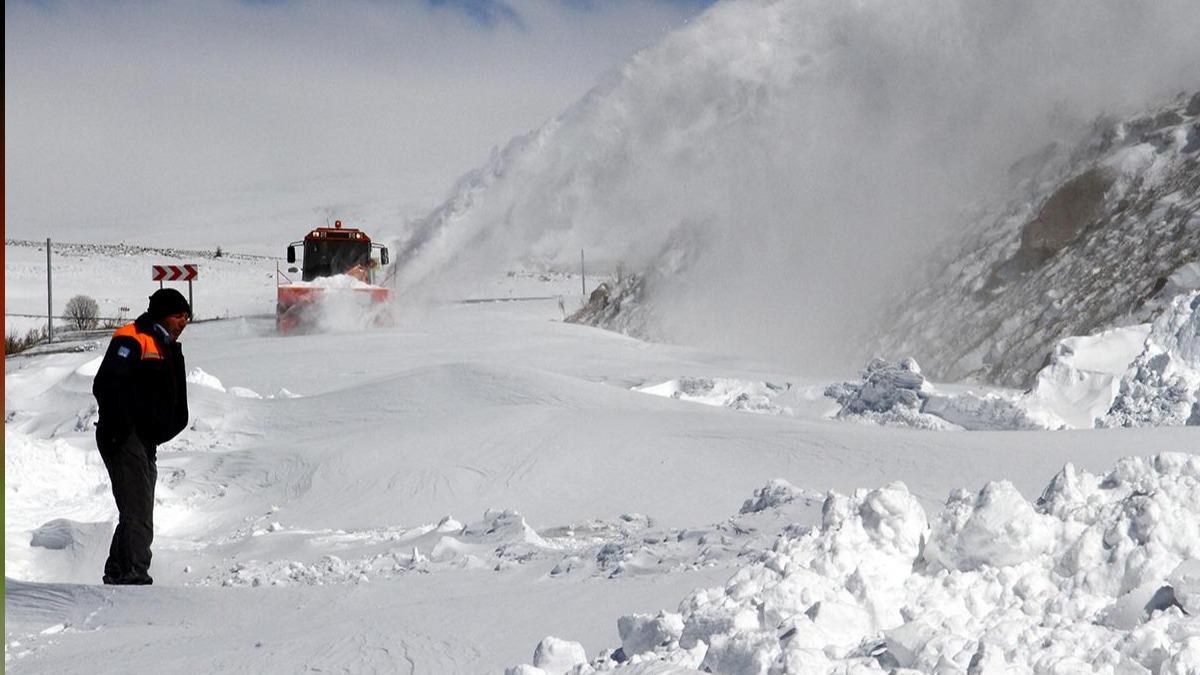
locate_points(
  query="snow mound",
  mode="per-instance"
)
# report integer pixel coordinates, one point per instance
(1098, 575)
(1162, 385)
(757, 397)
(772, 495)
(555, 657)
(889, 394)
(202, 379)
(63, 533)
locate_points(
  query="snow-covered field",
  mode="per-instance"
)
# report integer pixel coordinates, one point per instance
(443, 494)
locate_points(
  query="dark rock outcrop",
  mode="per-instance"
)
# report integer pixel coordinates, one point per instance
(1087, 245)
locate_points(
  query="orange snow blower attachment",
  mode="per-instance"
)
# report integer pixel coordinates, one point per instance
(338, 268)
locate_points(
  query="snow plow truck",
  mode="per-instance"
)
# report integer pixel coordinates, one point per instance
(337, 260)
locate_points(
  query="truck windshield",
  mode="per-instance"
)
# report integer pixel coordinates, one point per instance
(327, 258)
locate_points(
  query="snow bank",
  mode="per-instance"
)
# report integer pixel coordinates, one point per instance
(989, 411)
(1099, 575)
(200, 378)
(56, 496)
(1162, 385)
(1082, 386)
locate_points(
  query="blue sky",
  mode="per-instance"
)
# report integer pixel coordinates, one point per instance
(484, 12)
(488, 12)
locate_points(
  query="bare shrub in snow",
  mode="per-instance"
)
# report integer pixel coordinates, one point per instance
(15, 342)
(82, 312)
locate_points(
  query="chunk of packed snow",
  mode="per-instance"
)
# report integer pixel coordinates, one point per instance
(1162, 385)
(889, 393)
(242, 392)
(1082, 379)
(556, 657)
(641, 633)
(773, 494)
(503, 524)
(996, 528)
(1185, 582)
(200, 378)
(896, 394)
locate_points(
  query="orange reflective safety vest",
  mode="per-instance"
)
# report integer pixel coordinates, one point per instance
(146, 342)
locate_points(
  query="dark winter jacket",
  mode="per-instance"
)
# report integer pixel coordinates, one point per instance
(141, 386)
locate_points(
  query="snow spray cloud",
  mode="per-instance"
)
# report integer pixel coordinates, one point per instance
(215, 123)
(815, 147)
(340, 304)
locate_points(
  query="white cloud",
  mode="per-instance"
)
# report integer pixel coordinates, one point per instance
(133, 119)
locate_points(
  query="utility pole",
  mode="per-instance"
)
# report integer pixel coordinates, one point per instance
(49, 297)
(582, 275)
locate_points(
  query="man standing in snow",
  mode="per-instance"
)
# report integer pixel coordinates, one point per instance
(142, 393)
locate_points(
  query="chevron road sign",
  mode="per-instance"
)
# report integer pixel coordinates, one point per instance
(174, 272)
(161, 273)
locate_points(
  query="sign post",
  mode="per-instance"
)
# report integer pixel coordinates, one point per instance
(186, 273)
(49, 297)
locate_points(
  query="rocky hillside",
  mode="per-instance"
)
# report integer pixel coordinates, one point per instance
(1098, 235)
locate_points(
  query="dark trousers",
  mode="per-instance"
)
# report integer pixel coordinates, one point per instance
(132, 472)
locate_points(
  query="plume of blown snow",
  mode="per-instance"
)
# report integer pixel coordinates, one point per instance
(814, 147)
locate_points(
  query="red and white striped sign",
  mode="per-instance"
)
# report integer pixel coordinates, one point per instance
(175, 272)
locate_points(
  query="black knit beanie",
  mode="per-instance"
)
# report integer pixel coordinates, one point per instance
(168, 301)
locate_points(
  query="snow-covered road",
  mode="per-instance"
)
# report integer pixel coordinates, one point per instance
(443, 493)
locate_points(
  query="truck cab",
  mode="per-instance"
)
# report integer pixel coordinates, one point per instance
(329, 251)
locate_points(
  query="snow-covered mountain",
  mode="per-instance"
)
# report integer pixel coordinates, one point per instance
(812, 151)
(1095, 236)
